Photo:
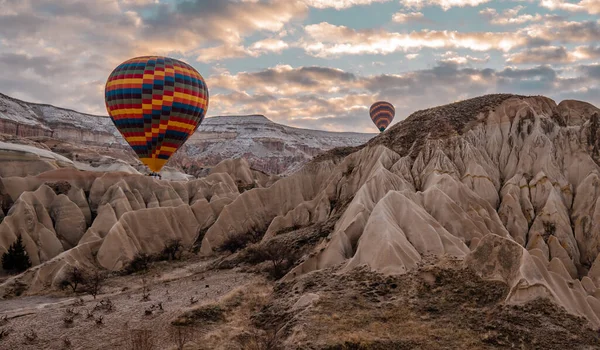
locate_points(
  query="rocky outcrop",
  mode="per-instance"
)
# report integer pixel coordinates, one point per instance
(530, 275)
(31, 119)
(71, 218)
(521, 170)
(23, 160)
(505, 185)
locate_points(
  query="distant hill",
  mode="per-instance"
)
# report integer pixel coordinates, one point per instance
(268, 146)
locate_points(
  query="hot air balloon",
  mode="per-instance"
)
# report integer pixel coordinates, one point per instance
(382, 113)
(156, 103)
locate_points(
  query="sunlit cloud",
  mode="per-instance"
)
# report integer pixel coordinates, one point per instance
(332, 40)
(453, 57)
(340, 4)
(548, 54)
(281, 58)
(589, 6)
(258, 48)
(401, 17)
(308, 96)
(512, 16)
(444, 4)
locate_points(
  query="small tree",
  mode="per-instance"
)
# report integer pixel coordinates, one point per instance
(172, 247)
(74, 278)
(96, 282)
(16, 258)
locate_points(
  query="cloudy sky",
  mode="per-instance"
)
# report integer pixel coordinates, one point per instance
(307, 63)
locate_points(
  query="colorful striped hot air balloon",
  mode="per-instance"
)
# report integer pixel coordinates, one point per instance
(156, 103)
(382, 113)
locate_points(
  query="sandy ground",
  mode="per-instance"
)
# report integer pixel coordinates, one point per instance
(172, 284)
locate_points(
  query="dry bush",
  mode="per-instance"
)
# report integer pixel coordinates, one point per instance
(145, 290)
(99, 320)
(71, 312)
(181, 335)
(236, 241)
(140, 263)
(68, 320)
(4, 333)
(67, 343)
(104, 305)
(259, 340)
(279, 253)
(140, 339)
(30, 336)
(15, 288)
(222, 323)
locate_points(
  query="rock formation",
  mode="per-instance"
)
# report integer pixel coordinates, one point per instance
(511, 173)
(505, 185)
(91, 139)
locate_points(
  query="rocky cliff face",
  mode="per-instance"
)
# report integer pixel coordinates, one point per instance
(505, 186)
(30, 119)
(268, 146)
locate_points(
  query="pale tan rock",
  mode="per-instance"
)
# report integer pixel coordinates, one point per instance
(69, 222)
(576, 112)
(397, 234)
(235, 218)
(238, 169)
(553, 220)
(530, 277)
(146, 230)
(585, 216)
(23, 160)
(29, 217)
(77, 196)
(559, 252)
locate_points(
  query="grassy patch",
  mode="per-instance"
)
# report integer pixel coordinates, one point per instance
(205, 314)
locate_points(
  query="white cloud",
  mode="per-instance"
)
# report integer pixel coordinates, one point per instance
(542, 55)
(510, 16)
(92, 37)
(400, 17)
(258, 48)
(453, 57)
(340, 4)
(444, 4)
(589, 6)
(331, 40)
(587, 52)
(329, 98)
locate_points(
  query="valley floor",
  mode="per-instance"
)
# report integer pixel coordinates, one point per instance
(173, 286)
(438, 306)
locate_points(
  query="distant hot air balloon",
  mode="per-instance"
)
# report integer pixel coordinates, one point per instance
(156, 103)
(382, 113)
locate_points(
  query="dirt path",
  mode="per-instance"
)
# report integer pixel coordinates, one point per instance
(43, 317)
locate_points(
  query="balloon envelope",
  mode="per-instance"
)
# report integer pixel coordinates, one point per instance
(156, 103)
(382, 113)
